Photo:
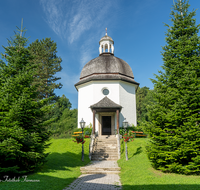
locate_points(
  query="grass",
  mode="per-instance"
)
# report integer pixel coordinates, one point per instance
(137, 173)
(62, 167)
(64, 162)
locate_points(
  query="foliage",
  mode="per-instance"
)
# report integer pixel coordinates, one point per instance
(129, 129)
(48, 64)
(64, 118)
(137, 173)
(174, 127)
(62, 167)
(144, 99)
(140, 107)
(67, 123)
(23, 133)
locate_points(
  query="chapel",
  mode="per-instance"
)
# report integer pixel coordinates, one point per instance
(107, 91)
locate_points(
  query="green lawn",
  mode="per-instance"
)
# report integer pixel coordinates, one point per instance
(64, 162)
(137, 173)
(62, 167)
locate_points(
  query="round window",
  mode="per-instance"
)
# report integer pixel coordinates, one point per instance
(105, 91)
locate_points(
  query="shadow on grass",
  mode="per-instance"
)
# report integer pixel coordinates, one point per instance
(56, 183)
(162, 187)
(63, 161)
(138, 151)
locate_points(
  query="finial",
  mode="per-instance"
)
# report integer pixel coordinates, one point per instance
(106, 31)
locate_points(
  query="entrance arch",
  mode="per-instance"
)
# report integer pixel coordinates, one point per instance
(106, 110)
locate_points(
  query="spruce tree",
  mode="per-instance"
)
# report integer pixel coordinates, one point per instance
(174, 128)
(23, 133)
(48, 63)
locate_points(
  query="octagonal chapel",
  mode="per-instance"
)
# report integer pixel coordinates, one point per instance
(107, 91)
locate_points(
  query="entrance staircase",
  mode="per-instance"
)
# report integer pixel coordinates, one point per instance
(104, 156)
(105, 148)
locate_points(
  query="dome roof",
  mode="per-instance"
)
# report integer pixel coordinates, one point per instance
(106, 63)
(106, 67)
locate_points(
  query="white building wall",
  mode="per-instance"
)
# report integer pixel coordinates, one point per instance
(112, 86)
(85, 99)
(90, 93)
(120, 92)
(128, 102)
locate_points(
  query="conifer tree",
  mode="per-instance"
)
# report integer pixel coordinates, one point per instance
(174, 128)
(48, 63)
(23, 133)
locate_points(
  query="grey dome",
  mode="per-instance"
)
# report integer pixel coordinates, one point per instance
(106, 67)
(106, 63)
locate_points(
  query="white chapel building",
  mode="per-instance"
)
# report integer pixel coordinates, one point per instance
(107, 91)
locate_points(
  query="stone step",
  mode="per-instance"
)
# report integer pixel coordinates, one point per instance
(100, 172)
(107, 159)
(104, 150)
(105, 147)
(105, 140)
(100, 157)
(97, 156)
(105, 144)
(94, 170)
(106, 137)
(105, 153)
(100, 169)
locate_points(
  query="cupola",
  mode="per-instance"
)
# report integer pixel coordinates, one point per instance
(106, 45)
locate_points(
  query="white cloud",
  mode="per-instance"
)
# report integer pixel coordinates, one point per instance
(70, 19)
(53, 14)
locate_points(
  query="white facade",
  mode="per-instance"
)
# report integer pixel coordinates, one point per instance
(122, 93)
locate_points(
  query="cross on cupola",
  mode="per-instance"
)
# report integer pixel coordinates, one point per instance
(106, 44)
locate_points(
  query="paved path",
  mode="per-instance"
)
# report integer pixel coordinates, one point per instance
(97, 181)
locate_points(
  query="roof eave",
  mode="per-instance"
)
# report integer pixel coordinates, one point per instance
(89, 80)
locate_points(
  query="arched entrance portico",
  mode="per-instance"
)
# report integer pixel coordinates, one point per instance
(108, 116)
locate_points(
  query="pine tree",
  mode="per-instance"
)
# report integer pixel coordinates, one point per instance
(174, 128)
(23, 133)
(48, 64)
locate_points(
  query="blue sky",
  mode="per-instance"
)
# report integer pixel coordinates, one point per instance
(136, 26)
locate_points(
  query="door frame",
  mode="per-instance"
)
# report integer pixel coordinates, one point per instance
(112, 114)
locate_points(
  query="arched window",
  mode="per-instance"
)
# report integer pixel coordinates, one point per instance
(106, 47)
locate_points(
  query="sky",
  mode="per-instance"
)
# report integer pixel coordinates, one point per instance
(136, 26)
